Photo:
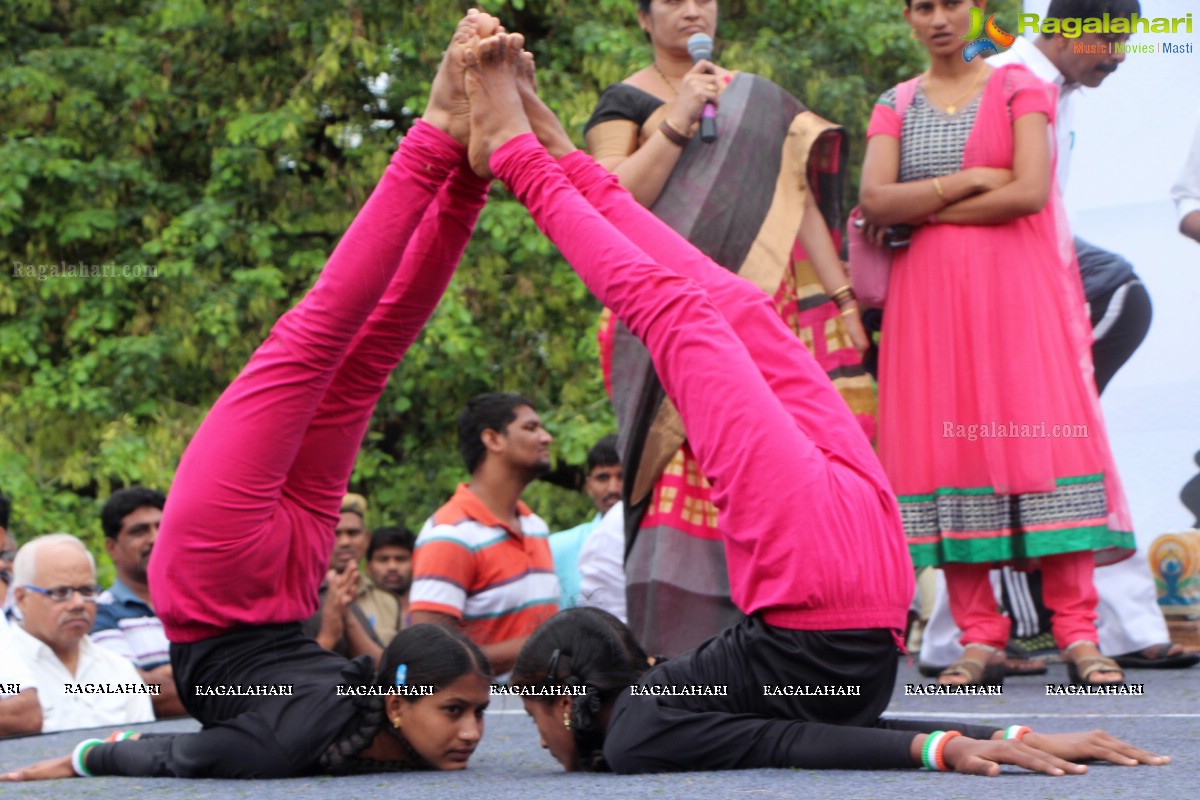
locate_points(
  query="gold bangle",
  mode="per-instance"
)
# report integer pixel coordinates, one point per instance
(937, 186)
(849, 312)
(671, 125)
(839, 290)
(673, 134)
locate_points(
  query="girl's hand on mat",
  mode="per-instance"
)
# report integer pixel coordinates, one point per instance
(49, 769)
(1092, 746)
(976, 757)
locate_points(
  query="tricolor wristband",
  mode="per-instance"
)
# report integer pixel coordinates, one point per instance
(79, 757)
(1016, 732)
(931, 742)
(939, 750)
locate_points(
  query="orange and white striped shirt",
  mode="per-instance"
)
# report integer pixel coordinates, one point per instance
(498, 582)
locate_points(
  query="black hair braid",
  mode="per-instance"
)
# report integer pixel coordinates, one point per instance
(587, 730)
(341, 757)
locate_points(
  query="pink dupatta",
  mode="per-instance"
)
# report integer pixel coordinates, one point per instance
(1012, 92)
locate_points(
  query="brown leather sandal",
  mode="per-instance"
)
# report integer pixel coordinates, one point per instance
(1080, 671)
(976, 671)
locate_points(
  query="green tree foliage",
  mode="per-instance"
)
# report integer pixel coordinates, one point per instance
(213, 152)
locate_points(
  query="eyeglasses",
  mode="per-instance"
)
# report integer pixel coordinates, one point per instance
(60, 594)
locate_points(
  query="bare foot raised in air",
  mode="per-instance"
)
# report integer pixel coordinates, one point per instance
(496, 112)
(448, 108)
(545, 124)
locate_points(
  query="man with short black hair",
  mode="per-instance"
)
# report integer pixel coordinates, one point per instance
(603, 485)
(482, 560)
(390, 563)
(125, 619)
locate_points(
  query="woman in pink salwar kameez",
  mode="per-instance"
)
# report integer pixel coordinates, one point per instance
(990, 426)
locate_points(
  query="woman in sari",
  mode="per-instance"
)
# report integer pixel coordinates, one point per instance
(760, 201)
(990, 426)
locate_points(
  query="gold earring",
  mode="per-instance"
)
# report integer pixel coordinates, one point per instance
(396, 723)
(567, 721)
(912, 34)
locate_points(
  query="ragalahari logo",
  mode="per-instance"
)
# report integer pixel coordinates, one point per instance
(983, 38)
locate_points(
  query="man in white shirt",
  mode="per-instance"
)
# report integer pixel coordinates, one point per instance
(80, 685)
(602, 565)
(603, 484)
(1130, 624)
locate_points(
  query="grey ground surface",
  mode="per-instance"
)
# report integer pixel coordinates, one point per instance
(509, 763)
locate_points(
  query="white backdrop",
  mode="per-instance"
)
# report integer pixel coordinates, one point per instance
(1131, 137)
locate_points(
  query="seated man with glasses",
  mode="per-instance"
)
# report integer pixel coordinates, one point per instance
(80, 685)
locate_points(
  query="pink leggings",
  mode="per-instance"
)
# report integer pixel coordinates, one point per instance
(248, 529)
(811, 528)
(1068, 587)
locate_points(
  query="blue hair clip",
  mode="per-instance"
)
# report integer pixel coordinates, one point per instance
(401, 674)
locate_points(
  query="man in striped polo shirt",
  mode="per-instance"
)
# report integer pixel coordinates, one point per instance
(483, 559)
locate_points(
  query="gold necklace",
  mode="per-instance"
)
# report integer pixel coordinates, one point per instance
(952, 108)
(664, 77)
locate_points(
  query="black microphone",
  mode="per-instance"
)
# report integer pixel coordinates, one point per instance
(700, 46)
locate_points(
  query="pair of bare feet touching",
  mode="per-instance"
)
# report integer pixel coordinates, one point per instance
(485, 93)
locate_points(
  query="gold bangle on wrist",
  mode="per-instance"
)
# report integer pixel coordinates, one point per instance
(937, 187)
(843, 296)
(849, 311)
(673, 134)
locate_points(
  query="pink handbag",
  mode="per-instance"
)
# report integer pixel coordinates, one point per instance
(871, 264)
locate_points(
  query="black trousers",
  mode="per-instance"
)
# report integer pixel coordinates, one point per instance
(752, 726)
(247, 736)
(1120, 321)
